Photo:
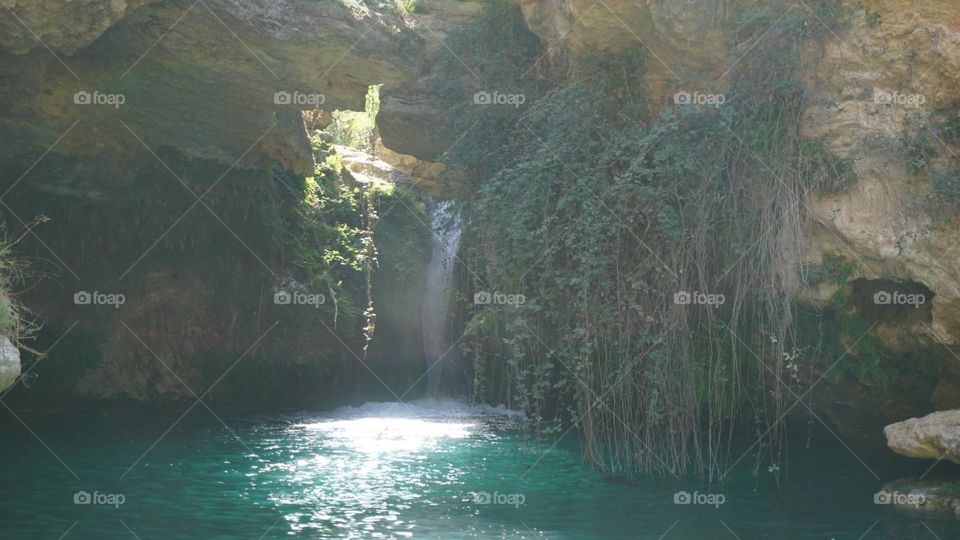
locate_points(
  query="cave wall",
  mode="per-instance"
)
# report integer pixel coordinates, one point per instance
(153, 143)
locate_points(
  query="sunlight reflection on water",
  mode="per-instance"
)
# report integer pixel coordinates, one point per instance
(395, 470)
(360, 470)
(383, 435)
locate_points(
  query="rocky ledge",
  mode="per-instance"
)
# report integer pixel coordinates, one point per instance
(921, 495)
(935, 436)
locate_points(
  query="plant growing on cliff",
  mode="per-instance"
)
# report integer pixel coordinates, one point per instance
(408, 7)
(608, 216)
(920, 148)
(9, 317)
(917, 150)
(13, 324)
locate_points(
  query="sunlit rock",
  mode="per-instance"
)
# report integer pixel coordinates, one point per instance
(935, 436)
(9, 363)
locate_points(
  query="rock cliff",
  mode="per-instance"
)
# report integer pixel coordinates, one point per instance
(880, 82)
(163, 138)
(100, 99)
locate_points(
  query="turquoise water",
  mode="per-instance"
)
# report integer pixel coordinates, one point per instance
(399, 471)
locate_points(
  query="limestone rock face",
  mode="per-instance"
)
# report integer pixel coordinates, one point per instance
(882, 224)
(407, 121)
(889, 49)
(9, 363)
(62, 25)
(685, 47)
(910, 50)
(366, 170)
(894, 69)
(907, 51)
(409, 114)
(429, 176)
(214, 80)
(151, 352)
(98, 96)
(934, 436)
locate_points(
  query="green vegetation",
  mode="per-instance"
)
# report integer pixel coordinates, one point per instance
(330, 238)
(838, 268)
(918, 145)
(840, 337)
(950, 489)
(408, 7)
(502, 54)
(9, 318)
(869, 361)
(356, 128)
(325, 227)
(600, 210)
(13, 325)
(843, 342)
(950, 127)
(917, 150)
(329, 233)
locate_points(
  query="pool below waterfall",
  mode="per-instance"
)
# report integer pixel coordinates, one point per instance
(414, 470)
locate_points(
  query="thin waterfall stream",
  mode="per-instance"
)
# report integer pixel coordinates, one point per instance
(438, 294)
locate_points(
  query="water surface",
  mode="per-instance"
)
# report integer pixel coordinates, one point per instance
(420, 470)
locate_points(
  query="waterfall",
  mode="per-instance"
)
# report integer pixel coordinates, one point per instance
(438, 294)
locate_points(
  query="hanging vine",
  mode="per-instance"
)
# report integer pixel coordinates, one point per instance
(609, 217)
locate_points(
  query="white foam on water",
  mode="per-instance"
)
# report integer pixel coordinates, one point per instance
(424, 408)
(387, 427)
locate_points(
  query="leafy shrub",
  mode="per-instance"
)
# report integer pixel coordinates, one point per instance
(408, 7)
(917, 150)
(918, 146)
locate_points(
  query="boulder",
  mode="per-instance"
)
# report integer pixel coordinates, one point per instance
(935, 436)
(911, 494)
(365, 169)
(9, 363)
